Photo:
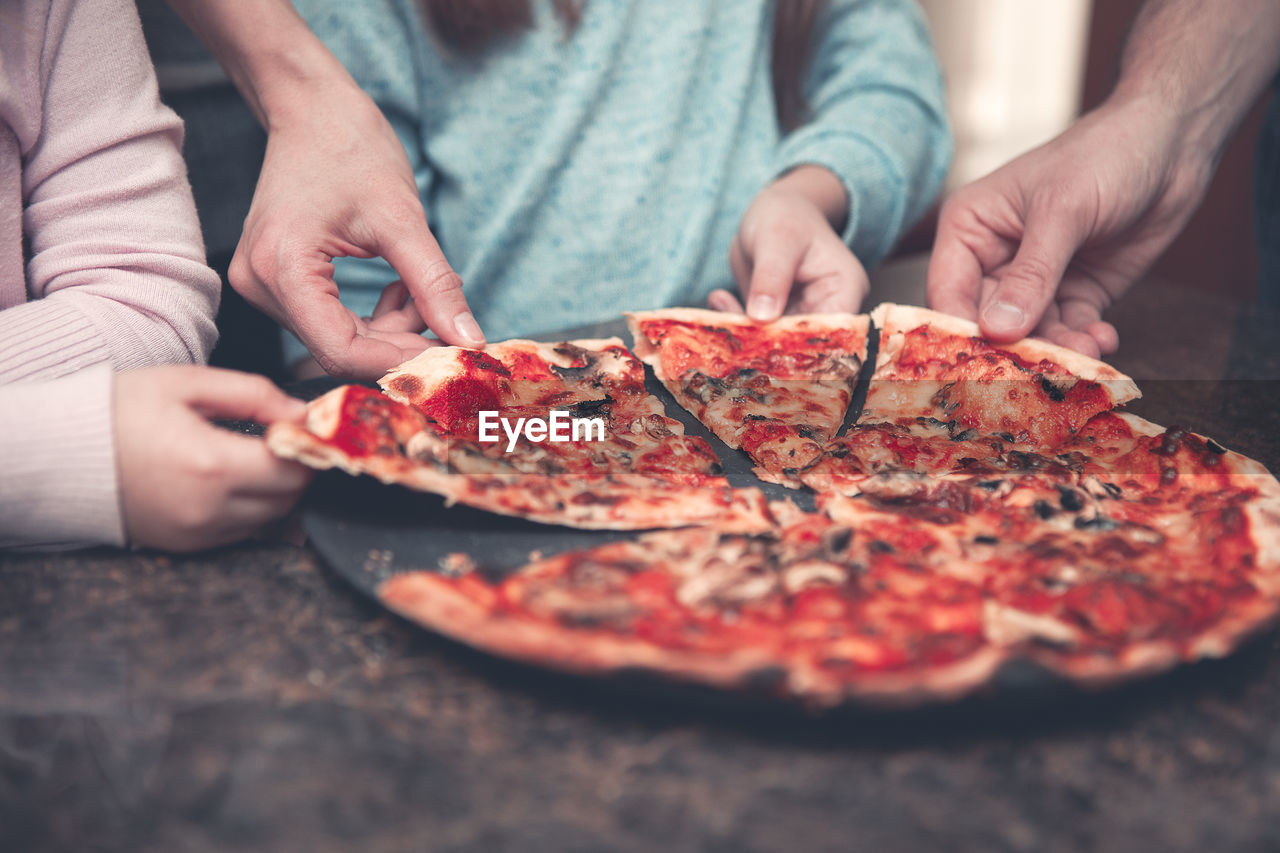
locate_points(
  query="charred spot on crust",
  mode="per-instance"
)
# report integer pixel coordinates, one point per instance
(702, 387)
(1045, 510)
(410, 386)
(836, 540)
(591, 408)
(1098, 522)
(1214, 446)
(986, 540)
(1055, 393)
(483, 361)
(1070, 499)
(1171, 440)
(1020, 461)
(573, 352)
(965, 435)
(592, 499)
(879, 546)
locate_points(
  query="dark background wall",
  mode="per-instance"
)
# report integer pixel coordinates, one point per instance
(1218, 250)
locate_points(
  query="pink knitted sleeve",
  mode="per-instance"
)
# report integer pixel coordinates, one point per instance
(116, 275)
(116, 269)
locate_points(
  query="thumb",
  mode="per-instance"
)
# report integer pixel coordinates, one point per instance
(436, 288)
(1022, 292)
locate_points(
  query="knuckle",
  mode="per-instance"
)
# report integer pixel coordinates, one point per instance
(1030, 276)
(329, 362)
(404, 210)
(440, 279)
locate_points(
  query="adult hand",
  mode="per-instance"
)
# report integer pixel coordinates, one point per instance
(186, 484)
(1046, 243)
(336, 182)
(787, 255)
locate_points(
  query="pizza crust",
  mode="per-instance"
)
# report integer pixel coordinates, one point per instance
(895, 320)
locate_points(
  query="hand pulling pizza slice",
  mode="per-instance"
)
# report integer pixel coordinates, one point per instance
(362, 431)
(779, 391)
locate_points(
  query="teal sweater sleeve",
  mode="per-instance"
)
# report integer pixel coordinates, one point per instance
(877, 119)
(571, 176)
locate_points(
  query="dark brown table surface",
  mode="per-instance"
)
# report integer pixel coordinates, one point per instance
(249, 699)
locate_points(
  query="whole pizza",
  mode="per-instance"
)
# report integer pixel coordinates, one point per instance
(987, 503)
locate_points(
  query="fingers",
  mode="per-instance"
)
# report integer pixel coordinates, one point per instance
(955, 272)
(220, 393)
(436, 288)
(1024, 289)
(253, 470)
(774, 265)
(1105, 334)
(723, 300)
(831, 280)
(396, 311)
(344, 346)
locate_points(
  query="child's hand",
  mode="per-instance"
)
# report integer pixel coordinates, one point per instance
(186, 484)
(787, 255)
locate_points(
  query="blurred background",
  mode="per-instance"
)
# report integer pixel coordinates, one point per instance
(1019, 72)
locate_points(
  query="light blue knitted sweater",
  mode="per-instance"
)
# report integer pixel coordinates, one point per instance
(569, 178)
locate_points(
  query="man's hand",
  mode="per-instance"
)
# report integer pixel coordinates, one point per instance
(787, 255)
(186, 484)
(1047, 242)
(336, 181)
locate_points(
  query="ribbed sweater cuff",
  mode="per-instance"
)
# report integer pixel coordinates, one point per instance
(57, 452)
(46, 340)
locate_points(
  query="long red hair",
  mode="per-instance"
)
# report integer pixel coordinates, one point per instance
(470, 26)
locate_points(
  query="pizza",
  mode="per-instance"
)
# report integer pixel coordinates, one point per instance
(919, 589)
(638, 470)
(778, 391)
(988, 504)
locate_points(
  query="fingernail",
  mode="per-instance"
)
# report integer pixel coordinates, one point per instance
(763, 307)
(1002, 317)
(468, 328)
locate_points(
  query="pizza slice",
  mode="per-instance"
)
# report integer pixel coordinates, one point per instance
(362, 431)
(934, 370)
(593, 384)
(778, 391)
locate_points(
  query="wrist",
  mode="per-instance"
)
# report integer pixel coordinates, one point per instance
(279, 66)
(820, 187)
(1189, 142)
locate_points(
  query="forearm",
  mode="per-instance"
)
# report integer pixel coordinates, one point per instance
(269, 52)
(1197, 66)
(877, 120)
